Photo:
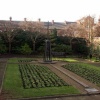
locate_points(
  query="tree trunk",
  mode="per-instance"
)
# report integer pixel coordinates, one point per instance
(9, 47)
(34, 46)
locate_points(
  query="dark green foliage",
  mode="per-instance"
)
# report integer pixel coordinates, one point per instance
(53, 38)
(82, 49)
(41, 49)
(20, 39)
(58, 43)
(63, 40)
(79, 46)
(40, 44)
(25, 49)
(63, 48)
(3, 49)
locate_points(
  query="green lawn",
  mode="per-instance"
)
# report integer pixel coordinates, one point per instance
(13, 84)
(66, 59)
(12, 60)
(15, 60)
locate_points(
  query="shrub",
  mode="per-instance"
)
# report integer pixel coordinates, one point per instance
(63, 48)
(3, 48)
(25, 49)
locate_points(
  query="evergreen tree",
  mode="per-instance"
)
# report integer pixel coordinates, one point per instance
(53, 38)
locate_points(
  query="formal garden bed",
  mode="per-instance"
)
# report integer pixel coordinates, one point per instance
(86, 71)
(36, 76)
(29, 80)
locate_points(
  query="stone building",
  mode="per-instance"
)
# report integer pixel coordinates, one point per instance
(51, 25)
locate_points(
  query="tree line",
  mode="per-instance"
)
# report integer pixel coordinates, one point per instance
(30, 38)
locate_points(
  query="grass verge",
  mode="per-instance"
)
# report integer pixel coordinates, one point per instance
(65, 59)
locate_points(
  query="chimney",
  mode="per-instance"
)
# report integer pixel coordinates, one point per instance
(52, 22)
(39, 20)
(25, 19)
(65, 22)
(10, 18)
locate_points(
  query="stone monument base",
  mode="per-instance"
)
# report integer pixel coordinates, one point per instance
(47, 62)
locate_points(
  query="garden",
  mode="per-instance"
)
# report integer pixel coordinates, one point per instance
(36, 76)
(24, 79)
(86, 71)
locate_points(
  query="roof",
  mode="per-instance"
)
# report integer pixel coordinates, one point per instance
(57, 25)
(51, 25)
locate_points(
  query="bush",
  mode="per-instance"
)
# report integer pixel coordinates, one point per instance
(3, 48)
(81, 49)
(25, 49)
(41, 49)
(63, 48)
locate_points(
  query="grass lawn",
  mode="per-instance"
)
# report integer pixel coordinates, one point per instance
(12, 60)
(66, 59)
(13, 84)
(15, 60)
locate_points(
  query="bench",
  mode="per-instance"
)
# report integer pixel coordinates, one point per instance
(58, 54)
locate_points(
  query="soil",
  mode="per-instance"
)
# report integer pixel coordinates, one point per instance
(63, 76)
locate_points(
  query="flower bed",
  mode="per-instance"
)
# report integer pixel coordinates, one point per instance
(25, 60)
(36, 76)
(86, 71)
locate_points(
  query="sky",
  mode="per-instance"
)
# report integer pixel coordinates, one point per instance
(48, 10)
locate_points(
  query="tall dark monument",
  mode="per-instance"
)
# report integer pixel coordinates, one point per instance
(47, 53)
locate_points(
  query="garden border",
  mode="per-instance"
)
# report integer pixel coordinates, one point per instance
(57, 96)
(3, 76)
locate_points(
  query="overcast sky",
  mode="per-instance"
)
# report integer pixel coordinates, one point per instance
(48, 10)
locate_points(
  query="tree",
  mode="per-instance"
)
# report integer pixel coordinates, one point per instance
(63, 48)
(53, 37)
(25, 49)
(81, 32)
(35, 30)
(3, 48)
(68, 30)
(88, 24)
(97, 31)
(9, 32)
(20, 39)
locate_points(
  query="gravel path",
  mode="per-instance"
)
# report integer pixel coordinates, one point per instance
(2, 71)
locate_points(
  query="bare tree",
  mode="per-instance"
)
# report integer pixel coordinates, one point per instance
(9, 32)
(88, 24)
(81, 32)
(68, 30)
(36, 30)
(97, 31)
